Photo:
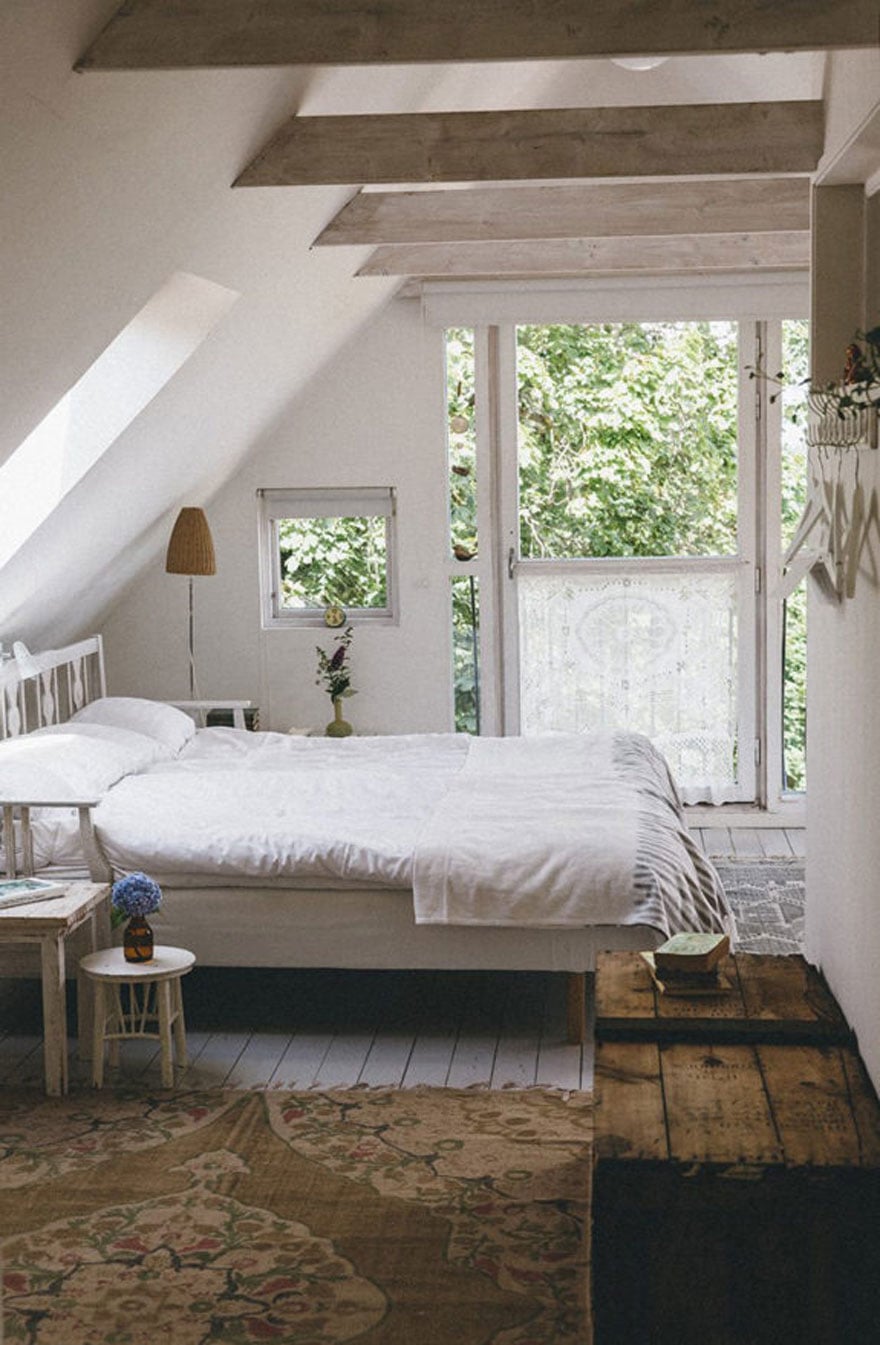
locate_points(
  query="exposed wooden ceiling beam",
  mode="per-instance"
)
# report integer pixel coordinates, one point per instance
(729, 138)
(594, 256)
(756, 205)
(168, 34)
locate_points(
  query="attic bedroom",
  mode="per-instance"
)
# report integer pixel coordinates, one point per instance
(525, 574)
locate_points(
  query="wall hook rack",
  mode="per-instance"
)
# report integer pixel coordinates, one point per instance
(833, 529)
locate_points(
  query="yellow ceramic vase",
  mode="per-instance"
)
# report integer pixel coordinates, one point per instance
(338, 727)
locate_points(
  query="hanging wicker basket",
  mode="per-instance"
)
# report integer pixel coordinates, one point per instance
(831, 425)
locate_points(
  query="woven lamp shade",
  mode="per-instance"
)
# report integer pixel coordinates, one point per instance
(191, 548)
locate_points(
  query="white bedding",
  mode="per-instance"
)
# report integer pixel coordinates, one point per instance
(537, 831)
(268, 805)
(564, 830)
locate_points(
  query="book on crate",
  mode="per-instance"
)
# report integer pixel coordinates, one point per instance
(691, 951)
(24, 891)
(712, 982)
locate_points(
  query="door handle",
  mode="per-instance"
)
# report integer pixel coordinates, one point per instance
(511, 562)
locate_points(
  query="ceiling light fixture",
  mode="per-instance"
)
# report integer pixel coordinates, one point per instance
(639, 62)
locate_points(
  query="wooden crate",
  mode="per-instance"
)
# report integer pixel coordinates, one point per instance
(781, 999)
(736, 1188)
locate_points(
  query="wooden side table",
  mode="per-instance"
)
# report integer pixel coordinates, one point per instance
(736, 1167)
(49, 924)
(138, 1000)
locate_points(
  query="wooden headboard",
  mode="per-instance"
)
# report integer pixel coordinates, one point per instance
(37, 690)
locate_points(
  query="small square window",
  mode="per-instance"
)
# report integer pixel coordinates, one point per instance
(327, 548)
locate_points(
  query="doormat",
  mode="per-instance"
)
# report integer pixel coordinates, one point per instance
(435, 1216)
(767, 899)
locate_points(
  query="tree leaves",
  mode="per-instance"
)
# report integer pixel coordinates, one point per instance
(627, 439)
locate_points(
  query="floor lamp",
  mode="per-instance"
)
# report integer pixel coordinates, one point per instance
(191, 552)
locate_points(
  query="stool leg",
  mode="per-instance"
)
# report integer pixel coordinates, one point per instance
(179, 1025)
(118, 1025)
(85, 1000)
(163, 989)
(98, 1021)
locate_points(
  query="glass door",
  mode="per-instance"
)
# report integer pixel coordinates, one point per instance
(628, 525)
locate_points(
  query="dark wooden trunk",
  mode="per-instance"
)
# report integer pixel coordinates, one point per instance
(736, 1183)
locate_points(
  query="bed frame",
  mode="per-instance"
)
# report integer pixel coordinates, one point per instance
(273, 926)
(37, 691)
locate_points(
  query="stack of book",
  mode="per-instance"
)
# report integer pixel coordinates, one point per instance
(690, 964)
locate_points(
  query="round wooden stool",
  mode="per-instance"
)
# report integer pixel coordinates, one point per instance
(152, 1006)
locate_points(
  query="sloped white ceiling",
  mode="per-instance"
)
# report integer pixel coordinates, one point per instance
(111, 182)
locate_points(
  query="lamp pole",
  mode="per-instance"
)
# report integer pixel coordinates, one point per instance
(192, 657)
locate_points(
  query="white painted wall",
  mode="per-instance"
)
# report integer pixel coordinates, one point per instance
(112, 183)
(843, 802)
(843, 705)
(374, 417)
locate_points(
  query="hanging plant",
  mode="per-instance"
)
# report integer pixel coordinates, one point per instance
(846, 411)
(858, 388)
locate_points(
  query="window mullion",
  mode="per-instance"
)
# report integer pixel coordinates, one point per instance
(506, 535)
(772, 560)
(485, 418)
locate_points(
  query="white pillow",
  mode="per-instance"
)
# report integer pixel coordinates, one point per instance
(165, 723)
(76, 761)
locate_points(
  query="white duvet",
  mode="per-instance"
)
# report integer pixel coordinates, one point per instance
(272, 806)
(565, 830)
(536, 831)
(559, 830)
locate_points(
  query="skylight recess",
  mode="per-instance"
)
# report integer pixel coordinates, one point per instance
(89, 418)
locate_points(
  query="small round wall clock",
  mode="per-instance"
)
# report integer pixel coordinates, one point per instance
(334, 616)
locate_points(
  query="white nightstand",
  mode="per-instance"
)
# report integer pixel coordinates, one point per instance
(49, 924)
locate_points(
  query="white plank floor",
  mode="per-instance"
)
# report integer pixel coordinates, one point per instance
(323, 1029)
(751, 842)
(378, 1029)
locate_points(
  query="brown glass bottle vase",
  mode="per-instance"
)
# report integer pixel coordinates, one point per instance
(137, 940)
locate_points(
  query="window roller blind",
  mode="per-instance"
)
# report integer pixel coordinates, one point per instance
(357, 502)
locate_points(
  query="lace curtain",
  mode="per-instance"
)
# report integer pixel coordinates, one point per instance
(651, 652)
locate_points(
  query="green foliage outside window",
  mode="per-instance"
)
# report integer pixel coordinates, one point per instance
(465, 653)
(460, 400)
(628, 447)
(461, 440)
(793, 401)
(340, 561)
(628, 435)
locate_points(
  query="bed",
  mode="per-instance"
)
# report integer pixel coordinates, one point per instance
(416, 851)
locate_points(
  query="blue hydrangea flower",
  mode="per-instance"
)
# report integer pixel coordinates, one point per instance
(136, 894)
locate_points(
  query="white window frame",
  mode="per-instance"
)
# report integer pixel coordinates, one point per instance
(741, 564)
(768, 413)
(494, 309)
(323, 502)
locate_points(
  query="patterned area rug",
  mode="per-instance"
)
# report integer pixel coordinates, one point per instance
(393, 1218)
(767, 898)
